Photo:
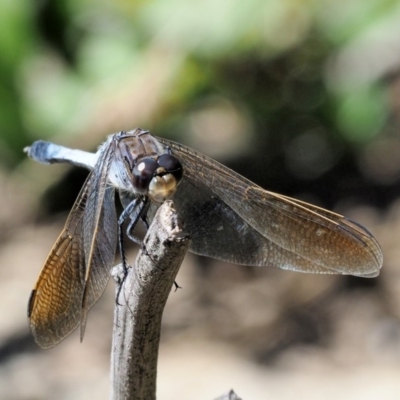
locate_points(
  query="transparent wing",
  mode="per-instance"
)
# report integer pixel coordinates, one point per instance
(99, 232)
(77, 269)
(233, 219)
(54, 308)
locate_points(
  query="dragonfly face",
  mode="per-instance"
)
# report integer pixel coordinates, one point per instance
(227, 216)
(142, 166)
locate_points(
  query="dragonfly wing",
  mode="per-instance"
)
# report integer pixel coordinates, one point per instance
(331, 240)
(215, 230)
(99, 231)
(271, 230)
(54, 308)
(77, 269)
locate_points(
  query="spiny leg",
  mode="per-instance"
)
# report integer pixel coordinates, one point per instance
(134, 210)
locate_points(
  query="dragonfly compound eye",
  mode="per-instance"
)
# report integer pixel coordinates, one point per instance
(171, 165)
(166, 179)
(143, 173)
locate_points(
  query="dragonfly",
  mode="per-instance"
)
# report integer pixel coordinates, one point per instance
(227, 217)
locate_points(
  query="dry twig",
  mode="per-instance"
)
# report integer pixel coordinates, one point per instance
(137, 322)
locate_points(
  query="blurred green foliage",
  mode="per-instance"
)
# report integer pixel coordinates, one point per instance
(307, 79)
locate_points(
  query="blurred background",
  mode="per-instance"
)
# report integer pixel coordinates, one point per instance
(302, 97)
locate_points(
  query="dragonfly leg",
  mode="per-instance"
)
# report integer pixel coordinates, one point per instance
(134, 210)
(144, 221)
(140, 214)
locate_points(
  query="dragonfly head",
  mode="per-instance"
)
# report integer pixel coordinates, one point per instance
(157, 177)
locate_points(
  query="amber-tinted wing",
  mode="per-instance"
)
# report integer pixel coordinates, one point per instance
(55, 304)
(77, 269)
(233, 219)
